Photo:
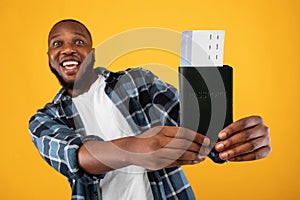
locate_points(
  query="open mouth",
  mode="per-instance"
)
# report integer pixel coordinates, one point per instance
(70, 67)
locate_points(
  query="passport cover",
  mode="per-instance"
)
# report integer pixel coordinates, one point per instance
(206, 101)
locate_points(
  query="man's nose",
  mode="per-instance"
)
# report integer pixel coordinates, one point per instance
(68, 48)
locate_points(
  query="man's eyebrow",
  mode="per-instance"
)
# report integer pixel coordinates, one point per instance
(58, 35)
(53, 37)
(81, 34)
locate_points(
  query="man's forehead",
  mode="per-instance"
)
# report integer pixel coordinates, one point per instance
(68, 26)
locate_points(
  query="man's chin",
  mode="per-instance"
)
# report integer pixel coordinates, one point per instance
(73, 82)
(66, 84)
(69, 85)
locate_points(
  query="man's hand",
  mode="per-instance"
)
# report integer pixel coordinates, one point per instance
(244, 140)
(166, 146)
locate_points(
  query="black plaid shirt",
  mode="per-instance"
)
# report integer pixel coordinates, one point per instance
(144, 100)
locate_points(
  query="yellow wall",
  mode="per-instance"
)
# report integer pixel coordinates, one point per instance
(262, 43)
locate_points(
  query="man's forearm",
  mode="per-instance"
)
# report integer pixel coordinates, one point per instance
(156, 148)
(96, 157)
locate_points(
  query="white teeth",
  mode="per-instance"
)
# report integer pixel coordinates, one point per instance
(70, 67)
(70, 63)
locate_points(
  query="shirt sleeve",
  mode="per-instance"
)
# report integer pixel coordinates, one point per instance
(58, 143)
(165, 97)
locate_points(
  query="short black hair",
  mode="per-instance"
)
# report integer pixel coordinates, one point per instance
(71, 20)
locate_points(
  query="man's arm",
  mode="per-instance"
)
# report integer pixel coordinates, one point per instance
(58, 144)
(156, 148)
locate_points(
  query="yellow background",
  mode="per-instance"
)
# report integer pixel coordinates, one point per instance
(262, 44)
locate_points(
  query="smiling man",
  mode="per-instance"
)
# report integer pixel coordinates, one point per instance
(70, 55)
(116, 135)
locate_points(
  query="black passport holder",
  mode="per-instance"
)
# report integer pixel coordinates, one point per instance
(206, 101)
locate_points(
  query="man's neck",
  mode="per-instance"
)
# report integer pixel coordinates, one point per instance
(82, 87)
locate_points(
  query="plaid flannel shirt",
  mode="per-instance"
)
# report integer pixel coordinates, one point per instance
(144, 100)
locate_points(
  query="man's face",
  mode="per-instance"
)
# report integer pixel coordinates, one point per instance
(68, 45)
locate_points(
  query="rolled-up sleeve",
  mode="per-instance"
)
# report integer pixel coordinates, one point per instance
(58, 143)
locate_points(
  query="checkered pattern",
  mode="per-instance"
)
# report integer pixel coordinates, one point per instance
(145, 101)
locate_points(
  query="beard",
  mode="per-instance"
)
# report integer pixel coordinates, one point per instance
(63, 83)
(80, 82)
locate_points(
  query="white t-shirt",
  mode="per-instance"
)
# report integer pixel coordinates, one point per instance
(102, 118)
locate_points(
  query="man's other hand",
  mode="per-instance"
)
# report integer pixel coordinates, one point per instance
(244, 140)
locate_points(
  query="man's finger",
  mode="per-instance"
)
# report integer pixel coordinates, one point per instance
(241, 137)
(178, 143)
(257, 154)
(187, 134)
(239, 125)
(248, 147)
(185, 162)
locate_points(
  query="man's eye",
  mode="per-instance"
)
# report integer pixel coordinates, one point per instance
(79, 42)
(57, 43)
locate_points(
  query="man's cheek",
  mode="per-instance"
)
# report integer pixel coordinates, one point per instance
(53, 63)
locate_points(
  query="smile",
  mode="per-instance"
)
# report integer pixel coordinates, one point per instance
(69, 63)
(70, 67)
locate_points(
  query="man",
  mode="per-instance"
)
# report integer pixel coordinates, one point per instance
(116, 135)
